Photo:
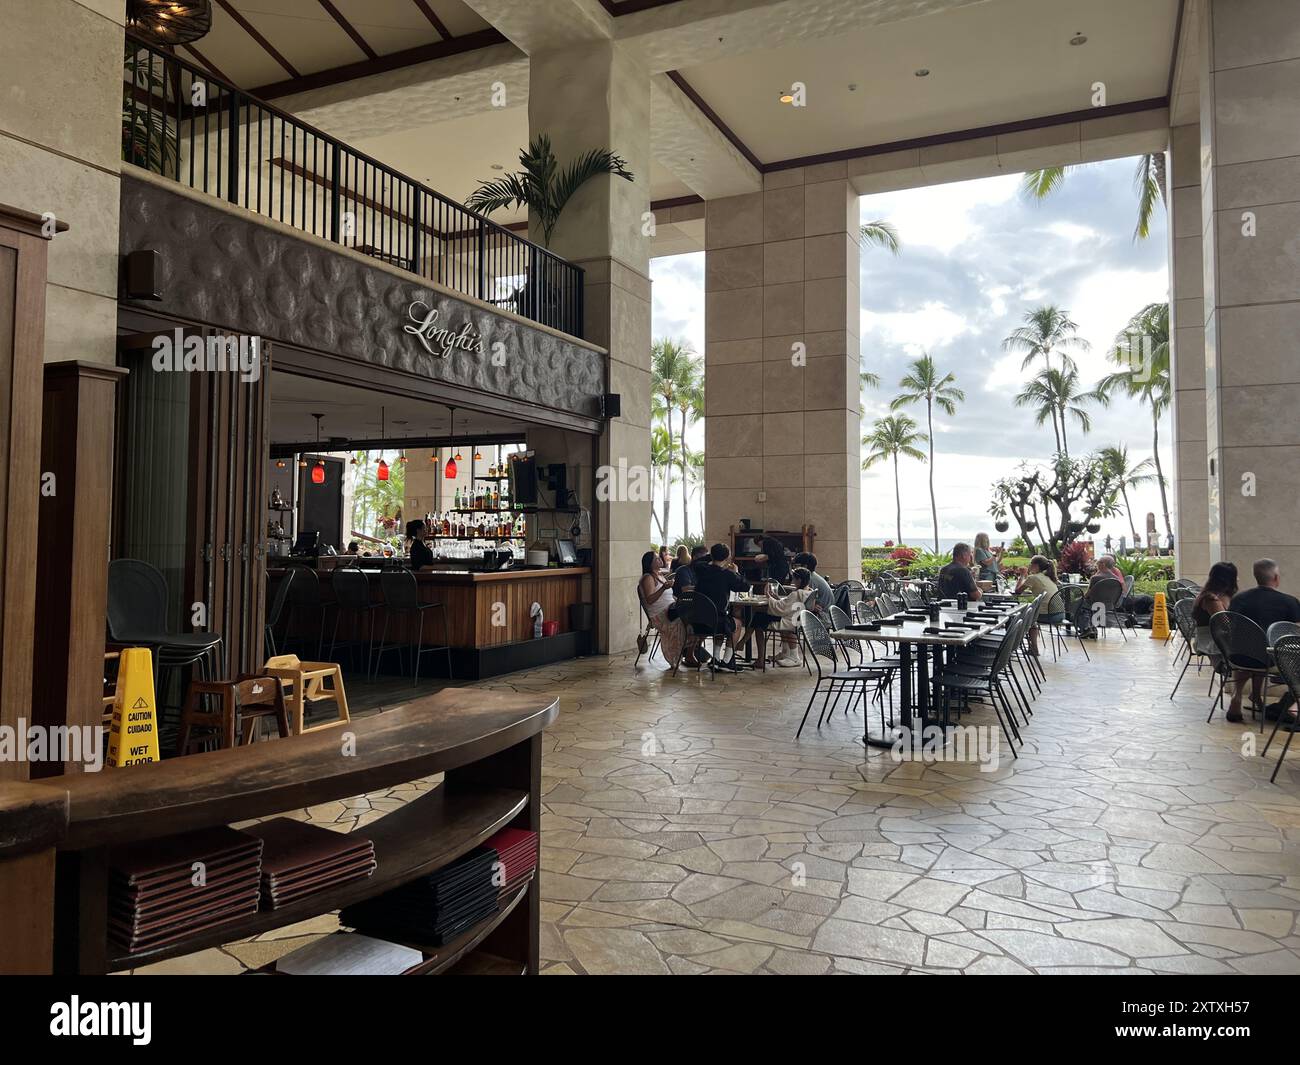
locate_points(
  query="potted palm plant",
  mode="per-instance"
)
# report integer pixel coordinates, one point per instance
(544, 189)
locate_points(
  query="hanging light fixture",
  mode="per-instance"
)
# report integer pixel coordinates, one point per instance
(318, 471)
(449, 471)
(280, 464)
(382, 471)
(169, 22)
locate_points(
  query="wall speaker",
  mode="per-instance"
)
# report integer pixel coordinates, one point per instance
(143, 275)
(611, 405)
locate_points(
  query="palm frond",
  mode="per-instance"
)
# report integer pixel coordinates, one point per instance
(1040, 184)
(882, 234)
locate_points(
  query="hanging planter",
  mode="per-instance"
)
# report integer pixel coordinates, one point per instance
(1094, 527)
(1030, 526)
(1002, 525)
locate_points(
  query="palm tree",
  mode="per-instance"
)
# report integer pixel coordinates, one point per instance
(541, 186)
(1146, 379)
(1149, 181)
(881, 234)
(925, 382)
(890, 437)
(690, 404)
(1047, 331)
(1054, 394)
(693, 477)
(671, 365)
(1115, 459)
(661, 460)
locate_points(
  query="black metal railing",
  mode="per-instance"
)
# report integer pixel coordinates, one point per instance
(181, 122)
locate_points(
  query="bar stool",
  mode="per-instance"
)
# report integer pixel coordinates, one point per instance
(241, 705)
(402, 596)
(137, 617)
(352, 594)
(305, 598)
(275, 609)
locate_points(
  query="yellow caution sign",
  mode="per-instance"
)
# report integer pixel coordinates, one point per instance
(1160, 618)
(133, 735)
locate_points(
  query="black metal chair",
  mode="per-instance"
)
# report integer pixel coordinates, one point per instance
(1185, 624)
(883, 669)
(833, 682)
(703, 619)
(352, 597)
(305, 601)
(137, 617)
(1071, 596)
(275, 609)
(985, 683)
(1244, 648)
(1286, 655)
(648, 632)
(1281, 629)
(402, 597)
(1103, 606)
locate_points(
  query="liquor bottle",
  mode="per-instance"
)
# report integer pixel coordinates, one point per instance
(446, 525)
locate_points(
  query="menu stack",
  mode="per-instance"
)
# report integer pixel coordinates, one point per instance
(301, 859)
(434, 909)
(166, 890)
(517, 850)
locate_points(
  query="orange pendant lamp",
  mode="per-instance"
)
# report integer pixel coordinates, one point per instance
(318, 471)
(381, 472)
(449, 471)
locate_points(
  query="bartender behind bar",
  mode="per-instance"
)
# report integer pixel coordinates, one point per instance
(419, 552)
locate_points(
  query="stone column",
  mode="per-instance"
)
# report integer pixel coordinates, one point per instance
(1187, 361)
(596, 95)
(781, 362)
(1250, 187)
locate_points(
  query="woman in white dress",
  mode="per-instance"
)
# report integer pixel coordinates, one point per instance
(656, 592)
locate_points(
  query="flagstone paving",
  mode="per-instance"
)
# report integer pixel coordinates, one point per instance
(686, 831)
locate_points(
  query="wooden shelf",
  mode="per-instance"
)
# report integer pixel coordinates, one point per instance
(480, 963)
(442, 959)
(422, 836)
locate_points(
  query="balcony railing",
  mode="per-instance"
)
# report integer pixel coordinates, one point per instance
(182, 123)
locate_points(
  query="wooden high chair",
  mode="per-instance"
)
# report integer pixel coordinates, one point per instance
(303, 683)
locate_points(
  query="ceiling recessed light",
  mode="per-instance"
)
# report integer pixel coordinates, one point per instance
(497, 166)
(786, 96)
(853, 87)
(924, 72)
(1078, 39)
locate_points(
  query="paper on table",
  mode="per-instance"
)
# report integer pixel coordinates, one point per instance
(349, 954)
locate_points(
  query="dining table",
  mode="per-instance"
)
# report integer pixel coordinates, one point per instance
(922, 648)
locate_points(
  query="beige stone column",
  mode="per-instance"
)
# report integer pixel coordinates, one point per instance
(596, 95)
(1187, 336)
(60, 152)
(1250, 187)
(781, 362)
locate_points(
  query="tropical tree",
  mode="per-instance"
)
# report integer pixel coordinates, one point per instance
(1141, 352)
(672, 370)
(662, 458)
(1047, 331)
(1127, 476)
(1149, 181)
(693, 480)
(690, 404)
(890, 437)
(881, 234)
(541, 186)
(925, 381)
(1055, 394)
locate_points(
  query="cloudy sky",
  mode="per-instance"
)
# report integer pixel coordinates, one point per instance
(976, 256)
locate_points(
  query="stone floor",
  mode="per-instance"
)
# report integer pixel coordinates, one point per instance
(684, 830)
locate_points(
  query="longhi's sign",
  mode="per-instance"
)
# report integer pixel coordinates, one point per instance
(440, 341)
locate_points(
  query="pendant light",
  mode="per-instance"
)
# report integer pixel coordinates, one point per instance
(318, 471)
(280, 464)
(449, 471)
(169, 22)
(381, 472)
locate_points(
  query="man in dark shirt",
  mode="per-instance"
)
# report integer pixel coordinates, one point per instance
(715, 580)
(956, 577)
(684, 576)
(1264, 604)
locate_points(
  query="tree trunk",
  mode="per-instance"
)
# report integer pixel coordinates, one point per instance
(1160, 473)
(668, 470)
(934, 512)
(1123, 490)
(1065, 443)
(686, 515)
(898, 506)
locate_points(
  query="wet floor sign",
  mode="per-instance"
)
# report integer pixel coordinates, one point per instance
(1160, 618)
(133, 735)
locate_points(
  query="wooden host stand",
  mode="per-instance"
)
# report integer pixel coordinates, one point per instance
(56, 836)
(794, 542)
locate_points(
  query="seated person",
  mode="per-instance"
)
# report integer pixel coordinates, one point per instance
(657, 597)
(1215, 595)
(822, 595)
(1264, 604)
(956, 577)
(354, 548)
(989, 560)
(775, 558)
(1040, 578)
(782, 613)
(1130, 604)
(683, 558)
(683, 585)
(715, 580)
(419, 553)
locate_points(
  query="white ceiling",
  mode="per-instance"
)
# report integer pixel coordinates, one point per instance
(355, 413)
(989, 63)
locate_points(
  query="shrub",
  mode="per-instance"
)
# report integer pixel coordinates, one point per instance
(1074, 559)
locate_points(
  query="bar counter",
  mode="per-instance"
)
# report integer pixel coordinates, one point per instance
(490, 629)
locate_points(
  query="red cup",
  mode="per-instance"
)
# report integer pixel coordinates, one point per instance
(550, 628)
